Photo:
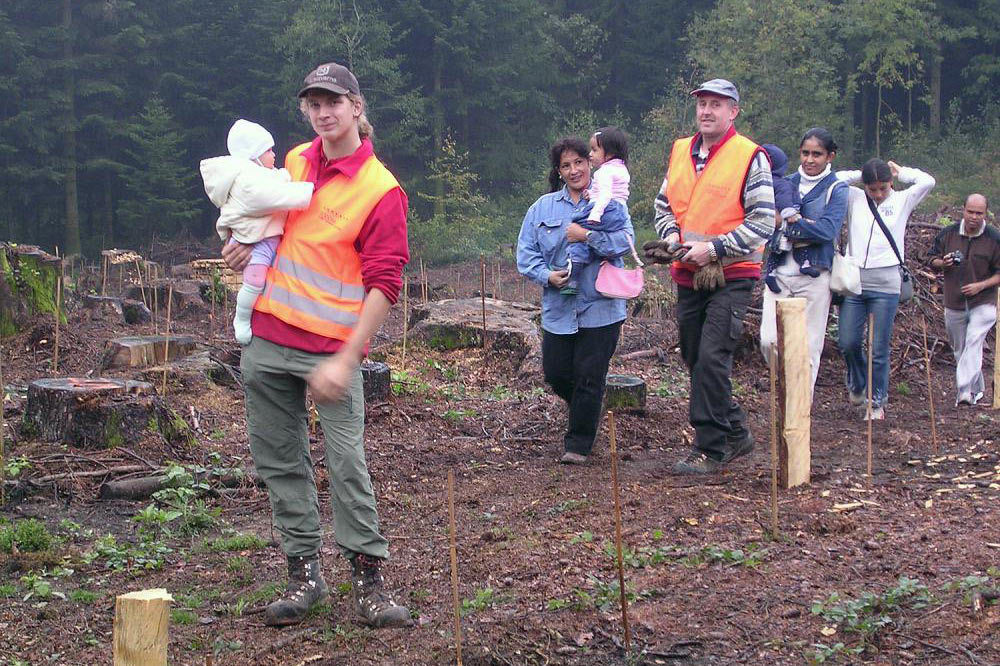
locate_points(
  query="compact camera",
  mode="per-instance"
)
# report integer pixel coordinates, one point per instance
(956, 257)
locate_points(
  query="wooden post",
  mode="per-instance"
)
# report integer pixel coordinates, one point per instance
(142, 288)
(618, 530)
(482, 293)
(104, 275)
(139, 636)
(166, 343)
(55, 342)
(156, 310)
(794, 379)
(772, 367)
(406, 319)
(871, 344)
(454, 567)
(499, 266)
(423, 282)
(996, 360)
(930, 390)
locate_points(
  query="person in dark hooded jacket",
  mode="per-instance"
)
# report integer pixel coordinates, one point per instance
(787, 203)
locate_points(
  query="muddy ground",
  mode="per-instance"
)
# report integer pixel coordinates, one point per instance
(912, 556)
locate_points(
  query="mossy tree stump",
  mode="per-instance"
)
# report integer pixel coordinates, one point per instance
(625, 393)
(28, 286)
(377, 378)
(124, 310)
(97, 413)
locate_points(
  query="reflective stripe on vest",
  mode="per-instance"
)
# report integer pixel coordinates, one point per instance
(315, 283)
(710, 204)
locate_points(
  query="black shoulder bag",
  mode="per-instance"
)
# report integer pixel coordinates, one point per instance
(906, 282)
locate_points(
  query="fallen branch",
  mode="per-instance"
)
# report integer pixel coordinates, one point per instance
(124, 469)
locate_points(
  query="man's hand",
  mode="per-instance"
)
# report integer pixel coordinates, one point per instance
(663, 251)
(894, 168)
(237, 255)
(972, 288)
(698, 253)
(331, 379)
(576, 233)
(558, 279)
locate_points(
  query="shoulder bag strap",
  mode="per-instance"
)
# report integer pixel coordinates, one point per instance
(885, 230)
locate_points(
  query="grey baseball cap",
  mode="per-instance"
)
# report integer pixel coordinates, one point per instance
(719, 87)
(332, 77)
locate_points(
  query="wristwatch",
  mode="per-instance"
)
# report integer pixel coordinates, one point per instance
(588, 235)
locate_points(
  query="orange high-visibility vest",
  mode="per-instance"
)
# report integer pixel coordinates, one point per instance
(315, 283)
(711, 204)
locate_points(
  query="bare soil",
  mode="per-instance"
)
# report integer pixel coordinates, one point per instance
(709, 582)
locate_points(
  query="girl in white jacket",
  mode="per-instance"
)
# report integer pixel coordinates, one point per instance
(254, 199)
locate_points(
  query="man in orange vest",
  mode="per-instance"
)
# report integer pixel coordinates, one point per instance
(337, 271)
(717, 200)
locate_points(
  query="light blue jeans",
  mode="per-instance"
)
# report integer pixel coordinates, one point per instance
(853, 324)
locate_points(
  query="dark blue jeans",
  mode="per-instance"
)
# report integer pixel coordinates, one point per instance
(576, 367)
(711, 326)
(853, 325)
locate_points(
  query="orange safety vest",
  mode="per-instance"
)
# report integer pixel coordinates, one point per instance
(315, 283)
(711, 204)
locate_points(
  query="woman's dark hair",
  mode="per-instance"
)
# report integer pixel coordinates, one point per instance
(876, 171)
(573, 144)
(823, 136)
(614, 143)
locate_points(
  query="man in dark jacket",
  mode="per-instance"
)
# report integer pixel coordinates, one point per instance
(968, 253)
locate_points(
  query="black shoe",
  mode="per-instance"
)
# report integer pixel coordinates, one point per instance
(306, 588)
(372, 603)
(697, 462)
(739, 447)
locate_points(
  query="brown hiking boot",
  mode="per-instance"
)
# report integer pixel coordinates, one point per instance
(371, 601)
(306, 588)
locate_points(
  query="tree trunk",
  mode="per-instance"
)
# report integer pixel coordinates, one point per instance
(866, 119)
(878, 123)
(108, 234)
(935, 119)
(438, 131)
(71, 240)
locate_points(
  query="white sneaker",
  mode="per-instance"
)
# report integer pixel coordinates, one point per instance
(964, 399)
(977, 397)
(877, 414)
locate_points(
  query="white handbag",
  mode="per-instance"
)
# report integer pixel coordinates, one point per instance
(845, 276)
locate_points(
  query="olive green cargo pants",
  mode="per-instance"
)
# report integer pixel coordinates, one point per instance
(275, 388)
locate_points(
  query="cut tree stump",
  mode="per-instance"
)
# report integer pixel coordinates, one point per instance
(189, 296)
(27, 287)
(124, 310)
(625, 393)
(142, 351)
(139, 636)
(458, 324)
(97, 413)
(377, 378)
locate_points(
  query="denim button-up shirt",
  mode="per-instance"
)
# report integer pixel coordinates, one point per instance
(541, 248)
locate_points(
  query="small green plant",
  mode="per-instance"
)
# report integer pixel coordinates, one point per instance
(568, 505)
(403, 383)
(14, 466)
(484, 598)
(38, 587)
(870, 613)
(902, 388)
(82, 596)
(582, 537)
(7, 590)
(237, 564)
(237, 542)
(455, 415)
(29, 535)
(822, 653)
(601, 596)
(752, 557)
(217, 435)
(149, 553)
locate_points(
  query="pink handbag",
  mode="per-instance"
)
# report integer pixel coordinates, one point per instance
(615, 282)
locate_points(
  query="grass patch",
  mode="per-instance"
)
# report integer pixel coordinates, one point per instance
(183, 617)
(236, 542)
(82, 596)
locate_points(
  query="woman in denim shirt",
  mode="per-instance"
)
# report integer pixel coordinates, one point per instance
(580, 331)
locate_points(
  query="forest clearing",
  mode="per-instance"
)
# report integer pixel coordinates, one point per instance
(902, 570)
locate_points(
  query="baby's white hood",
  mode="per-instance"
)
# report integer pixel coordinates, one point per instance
(219, 174)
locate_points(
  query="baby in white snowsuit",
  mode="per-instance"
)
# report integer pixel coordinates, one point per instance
(254, 199)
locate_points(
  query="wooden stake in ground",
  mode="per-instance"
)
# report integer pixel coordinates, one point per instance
(774, 440)
(996, 360)
(871, 343)
(930, 390)
(794, 380)
(406, 319)
(166, 342)
(618, 530)
(454, 567)
(55, 341)
(139, 636)
(423, 282)
(482, 293)
(156, 310)
(104, 275)
(499, 266)
(142, 288)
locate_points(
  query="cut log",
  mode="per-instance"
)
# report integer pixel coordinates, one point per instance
(142, 351)
(139, 635)
(97, 413)
(625, 393)
(458, 324)
(377, 378)
(144, 487)
(794, 394)
(210, 270)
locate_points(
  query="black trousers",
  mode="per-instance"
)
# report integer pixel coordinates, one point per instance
(576, 367)
(711, 325)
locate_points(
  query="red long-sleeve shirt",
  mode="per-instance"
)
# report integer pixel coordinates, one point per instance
(381, 243)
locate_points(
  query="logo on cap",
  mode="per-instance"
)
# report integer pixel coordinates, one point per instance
(322, 70)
